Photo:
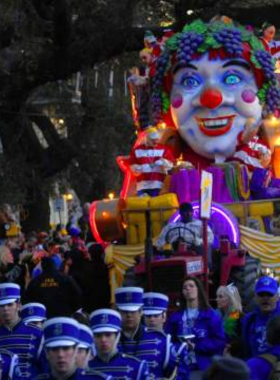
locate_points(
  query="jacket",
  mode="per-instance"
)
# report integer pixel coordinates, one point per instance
(209, 335)
(121, 366)
(260, 368)
(254, 331)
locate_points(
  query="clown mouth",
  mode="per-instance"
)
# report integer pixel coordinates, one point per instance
(215, 126)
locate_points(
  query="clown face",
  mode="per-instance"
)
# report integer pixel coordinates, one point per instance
(211, 101)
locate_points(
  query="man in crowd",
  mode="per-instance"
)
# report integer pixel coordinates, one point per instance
(262, 365)
(254, 324)
(61, 339)
(58, 292)
(150, 163)
(22, 340)
(106, 327)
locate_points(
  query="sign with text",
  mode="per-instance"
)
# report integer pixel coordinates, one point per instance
(206, 186)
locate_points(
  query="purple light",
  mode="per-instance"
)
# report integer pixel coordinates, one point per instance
(228, 217)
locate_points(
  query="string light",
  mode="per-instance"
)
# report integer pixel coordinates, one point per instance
(111, 195)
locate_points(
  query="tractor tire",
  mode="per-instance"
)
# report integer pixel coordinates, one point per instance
(244, 279)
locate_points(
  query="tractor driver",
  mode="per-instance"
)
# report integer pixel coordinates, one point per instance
(187, 230)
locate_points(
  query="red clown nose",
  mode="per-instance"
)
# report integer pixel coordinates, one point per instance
(211, 98)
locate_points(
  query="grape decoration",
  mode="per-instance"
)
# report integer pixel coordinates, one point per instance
(188, 44)
(272, 99)
(264, 59)
(161, 67)
(231, 40)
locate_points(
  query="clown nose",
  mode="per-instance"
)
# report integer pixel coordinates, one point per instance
(211, 98)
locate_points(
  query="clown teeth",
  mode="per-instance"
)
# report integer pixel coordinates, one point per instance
(215, 123)
(215, 126)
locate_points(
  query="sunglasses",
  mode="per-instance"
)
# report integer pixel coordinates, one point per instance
(265, 294)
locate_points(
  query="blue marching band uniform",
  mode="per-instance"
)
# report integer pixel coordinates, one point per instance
(156, 304)
(22, 340)
(9, 365)
(155, 347)
(65, 332)
(117, 364)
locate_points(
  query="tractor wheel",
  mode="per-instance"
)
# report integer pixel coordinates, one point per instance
(244, 279)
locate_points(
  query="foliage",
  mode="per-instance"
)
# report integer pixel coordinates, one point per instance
(43, 43)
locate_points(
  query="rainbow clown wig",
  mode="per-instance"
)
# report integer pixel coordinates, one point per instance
(219, 39)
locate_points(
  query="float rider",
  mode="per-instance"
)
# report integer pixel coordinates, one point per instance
(150, 162)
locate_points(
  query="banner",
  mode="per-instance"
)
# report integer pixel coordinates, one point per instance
(206, 186)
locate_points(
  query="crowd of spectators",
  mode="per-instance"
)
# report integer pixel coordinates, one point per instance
(57, 321)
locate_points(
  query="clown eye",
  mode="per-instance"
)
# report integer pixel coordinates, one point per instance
(190, 82)
(232, 79)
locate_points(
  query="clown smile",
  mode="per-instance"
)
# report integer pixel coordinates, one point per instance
(215, 126)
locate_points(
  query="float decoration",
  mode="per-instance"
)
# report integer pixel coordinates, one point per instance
(228, 40)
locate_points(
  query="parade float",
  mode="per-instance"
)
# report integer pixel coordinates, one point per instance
(212, 95)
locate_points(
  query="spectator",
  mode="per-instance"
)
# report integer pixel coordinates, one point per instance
(254, 323)
(81, 316)
(84, 225)
(198, 324)
(11, 272)
(230, 309)
(261, 366)
(93, 278)
(52, 251)
(58, 292)
(227, 369)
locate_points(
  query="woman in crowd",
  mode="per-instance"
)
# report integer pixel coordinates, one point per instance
(198, 324)
(11, 271)
(230, 309)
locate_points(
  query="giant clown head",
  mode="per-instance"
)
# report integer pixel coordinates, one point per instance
(215, 80)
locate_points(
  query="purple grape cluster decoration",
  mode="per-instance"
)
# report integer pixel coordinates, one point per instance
(272, 99)
(231, 40)
(188, 44)
(264, 59)
(161, 67)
